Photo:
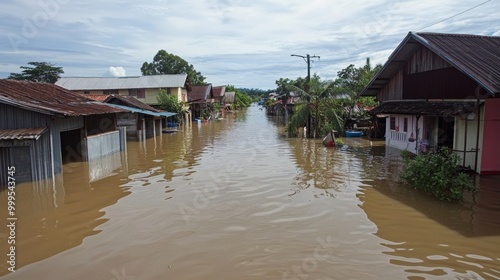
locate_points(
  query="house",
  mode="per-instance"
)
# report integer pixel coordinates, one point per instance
(142, 121)
(200, 99)
(144, 88)
(229, 99)
(442, 90)
(219, 93)
(43, 126)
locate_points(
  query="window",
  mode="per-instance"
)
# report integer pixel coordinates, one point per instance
(405, 125)
(86, 92)
(393, 123)
(110, 91)
(137, 92)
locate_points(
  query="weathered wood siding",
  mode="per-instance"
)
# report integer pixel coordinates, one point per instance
(393, 90)
(427, 76)
(424, 60)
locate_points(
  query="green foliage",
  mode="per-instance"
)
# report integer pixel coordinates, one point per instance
(436, 173)
(349, 84)
(166, 63)
(320, 104)
(170, 103)
(41, 72)
(339, 142)
(242, 100)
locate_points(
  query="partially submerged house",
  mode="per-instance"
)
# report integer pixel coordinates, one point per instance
(442, 90)
(219, 93)
(144, 88)
(141, 121)
(200, 99)
(43, 126)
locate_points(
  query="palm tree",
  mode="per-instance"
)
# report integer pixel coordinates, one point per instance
(320, 103)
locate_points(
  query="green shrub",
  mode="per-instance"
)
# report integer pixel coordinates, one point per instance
(339, 142)
(436, 173)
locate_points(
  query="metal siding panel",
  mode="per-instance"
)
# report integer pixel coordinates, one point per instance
(12, 118)
(103, 144)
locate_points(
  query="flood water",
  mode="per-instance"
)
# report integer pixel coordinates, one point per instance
(235, 199)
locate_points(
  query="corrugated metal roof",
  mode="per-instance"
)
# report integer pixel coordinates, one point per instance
(425, 108)
(199, 93)
(129, 101)
(22, 133)
(142, 111)
(476, 56)
(110, 83)
(219, 91)
(49, 99)
(96, 97)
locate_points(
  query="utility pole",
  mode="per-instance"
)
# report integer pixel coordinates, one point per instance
(307, 59)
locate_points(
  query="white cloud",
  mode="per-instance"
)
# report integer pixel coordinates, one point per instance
(244, 43)
(117, 71)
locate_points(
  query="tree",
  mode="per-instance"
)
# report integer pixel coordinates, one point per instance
(321, 104)
(166, 63)
(351, 81)
(169, 103)
(241, 100)
(40, 72)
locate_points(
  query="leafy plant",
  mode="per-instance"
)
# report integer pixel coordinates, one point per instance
(169, 103)
(436, 173)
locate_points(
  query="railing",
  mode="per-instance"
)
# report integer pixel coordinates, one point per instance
(399, 136)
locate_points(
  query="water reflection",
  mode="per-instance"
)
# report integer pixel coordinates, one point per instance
(235, 199)
(434, 238)
(57, 214)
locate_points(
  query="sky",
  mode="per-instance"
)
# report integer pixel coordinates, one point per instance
(247, 44)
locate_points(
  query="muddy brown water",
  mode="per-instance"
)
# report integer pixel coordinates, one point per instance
(234, 199)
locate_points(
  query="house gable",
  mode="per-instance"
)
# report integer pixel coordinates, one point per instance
(471, 57)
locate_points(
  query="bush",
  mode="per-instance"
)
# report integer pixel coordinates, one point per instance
(436, 173)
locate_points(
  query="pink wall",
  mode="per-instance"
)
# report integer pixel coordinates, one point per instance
(490, 163)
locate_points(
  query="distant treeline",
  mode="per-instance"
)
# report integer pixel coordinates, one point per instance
(256, 92)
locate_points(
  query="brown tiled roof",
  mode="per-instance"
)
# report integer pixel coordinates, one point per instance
(129, 101)
(200, 93)
(22, 133)
(49, 99)
(478, 57)
(219, 91)
(424, 108)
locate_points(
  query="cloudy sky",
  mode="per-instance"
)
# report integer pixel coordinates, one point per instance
(241, 43)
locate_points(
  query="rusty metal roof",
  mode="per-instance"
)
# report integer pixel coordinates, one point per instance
(129, 101)
(22, 133)
(219, 91)
(478, 57)
(50, 99)
(425, 108)
(200, 93)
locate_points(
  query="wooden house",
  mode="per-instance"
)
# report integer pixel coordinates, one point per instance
(200, 99)
(144, 88)
(442, 90)
(43, 126)
(219, 93)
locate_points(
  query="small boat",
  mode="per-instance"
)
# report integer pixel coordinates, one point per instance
(353, 133)
(329, 140)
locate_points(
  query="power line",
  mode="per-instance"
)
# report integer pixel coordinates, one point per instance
(454, 15)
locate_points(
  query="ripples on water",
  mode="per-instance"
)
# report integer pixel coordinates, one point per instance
(236, 199)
